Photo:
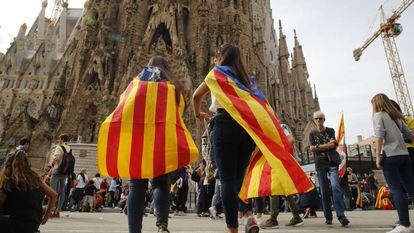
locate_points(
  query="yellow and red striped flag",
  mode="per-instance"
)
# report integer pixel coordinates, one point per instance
(341, 130)
(145, 136)
(343, 152)
(359, 201)
(383, 201)
(272, 169)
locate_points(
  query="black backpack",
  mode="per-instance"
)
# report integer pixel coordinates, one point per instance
(67, 166)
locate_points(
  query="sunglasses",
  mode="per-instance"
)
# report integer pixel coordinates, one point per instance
(318, 118)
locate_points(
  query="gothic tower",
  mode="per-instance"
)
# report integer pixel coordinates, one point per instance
(83, 70)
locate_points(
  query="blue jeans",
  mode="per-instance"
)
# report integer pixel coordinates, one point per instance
(216, 202)
(232, 148)
(136, 201)
(338, 199)
(398, 173)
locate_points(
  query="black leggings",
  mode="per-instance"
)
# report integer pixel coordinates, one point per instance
(232, 148)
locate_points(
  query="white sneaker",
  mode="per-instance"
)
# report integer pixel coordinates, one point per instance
(213, 212)
(400, 229)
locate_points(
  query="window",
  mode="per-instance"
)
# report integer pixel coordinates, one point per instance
(37, 70)
(8, 69)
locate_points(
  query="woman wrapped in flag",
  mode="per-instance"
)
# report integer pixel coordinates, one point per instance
(146, 138)
(251, 152)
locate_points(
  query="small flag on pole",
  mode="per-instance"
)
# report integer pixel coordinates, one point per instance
(341, 150)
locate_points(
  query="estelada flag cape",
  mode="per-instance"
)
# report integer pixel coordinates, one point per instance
(383, 201)
(145, 136)
(272, 169)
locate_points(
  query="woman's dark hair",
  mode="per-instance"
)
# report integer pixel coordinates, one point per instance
(162, 64)
(232, 57)
(24, 141)
(64, 137)
(396, 105)
(17, 175)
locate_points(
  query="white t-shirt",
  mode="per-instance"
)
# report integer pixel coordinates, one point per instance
(113, 185)
(97, 182)
(81, 183)
(214, 104)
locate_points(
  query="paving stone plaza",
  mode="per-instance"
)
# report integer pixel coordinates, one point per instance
(361, 222)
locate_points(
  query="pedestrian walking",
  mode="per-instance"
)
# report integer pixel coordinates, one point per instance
(392, 156)
(21, 195)
(232, 145)
(158, 71)
(274, 200)
(323, 144)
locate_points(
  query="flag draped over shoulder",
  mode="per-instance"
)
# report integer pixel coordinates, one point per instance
(145, 136)
(383, 201)
(272, 169)
(359, 201)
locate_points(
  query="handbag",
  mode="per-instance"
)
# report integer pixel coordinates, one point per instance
(333, 157)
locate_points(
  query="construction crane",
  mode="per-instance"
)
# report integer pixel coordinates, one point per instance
(388, 30)
(57, 9)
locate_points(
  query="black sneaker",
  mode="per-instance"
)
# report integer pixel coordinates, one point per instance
(328, 221)
(344, 222)
(295, 222)
(163, 229)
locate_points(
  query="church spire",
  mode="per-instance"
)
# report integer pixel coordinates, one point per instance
(298, 57)
(314, 89)
(283, 48)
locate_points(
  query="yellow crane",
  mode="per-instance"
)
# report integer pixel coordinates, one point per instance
(389, 29)
(57, 9)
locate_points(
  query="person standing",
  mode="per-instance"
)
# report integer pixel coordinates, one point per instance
(21, 195)
(103, 190)
(322, 143)
(182, 192)
(410, 123)
(112, 190)
(59, 173)
(232, 145)
(372, 184)
(392, 156)
(353, 187)
(97, 180)
(77, 196)
(346, 190)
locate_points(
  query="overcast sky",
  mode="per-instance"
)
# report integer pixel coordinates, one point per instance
(328, 30)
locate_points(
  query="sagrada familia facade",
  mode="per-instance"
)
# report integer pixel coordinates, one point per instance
(65, 76)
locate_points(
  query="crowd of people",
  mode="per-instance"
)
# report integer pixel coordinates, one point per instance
(226, 151)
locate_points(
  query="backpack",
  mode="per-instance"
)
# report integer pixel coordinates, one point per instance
(67, 165)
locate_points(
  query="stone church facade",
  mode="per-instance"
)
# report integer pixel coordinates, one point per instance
(66, 76)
